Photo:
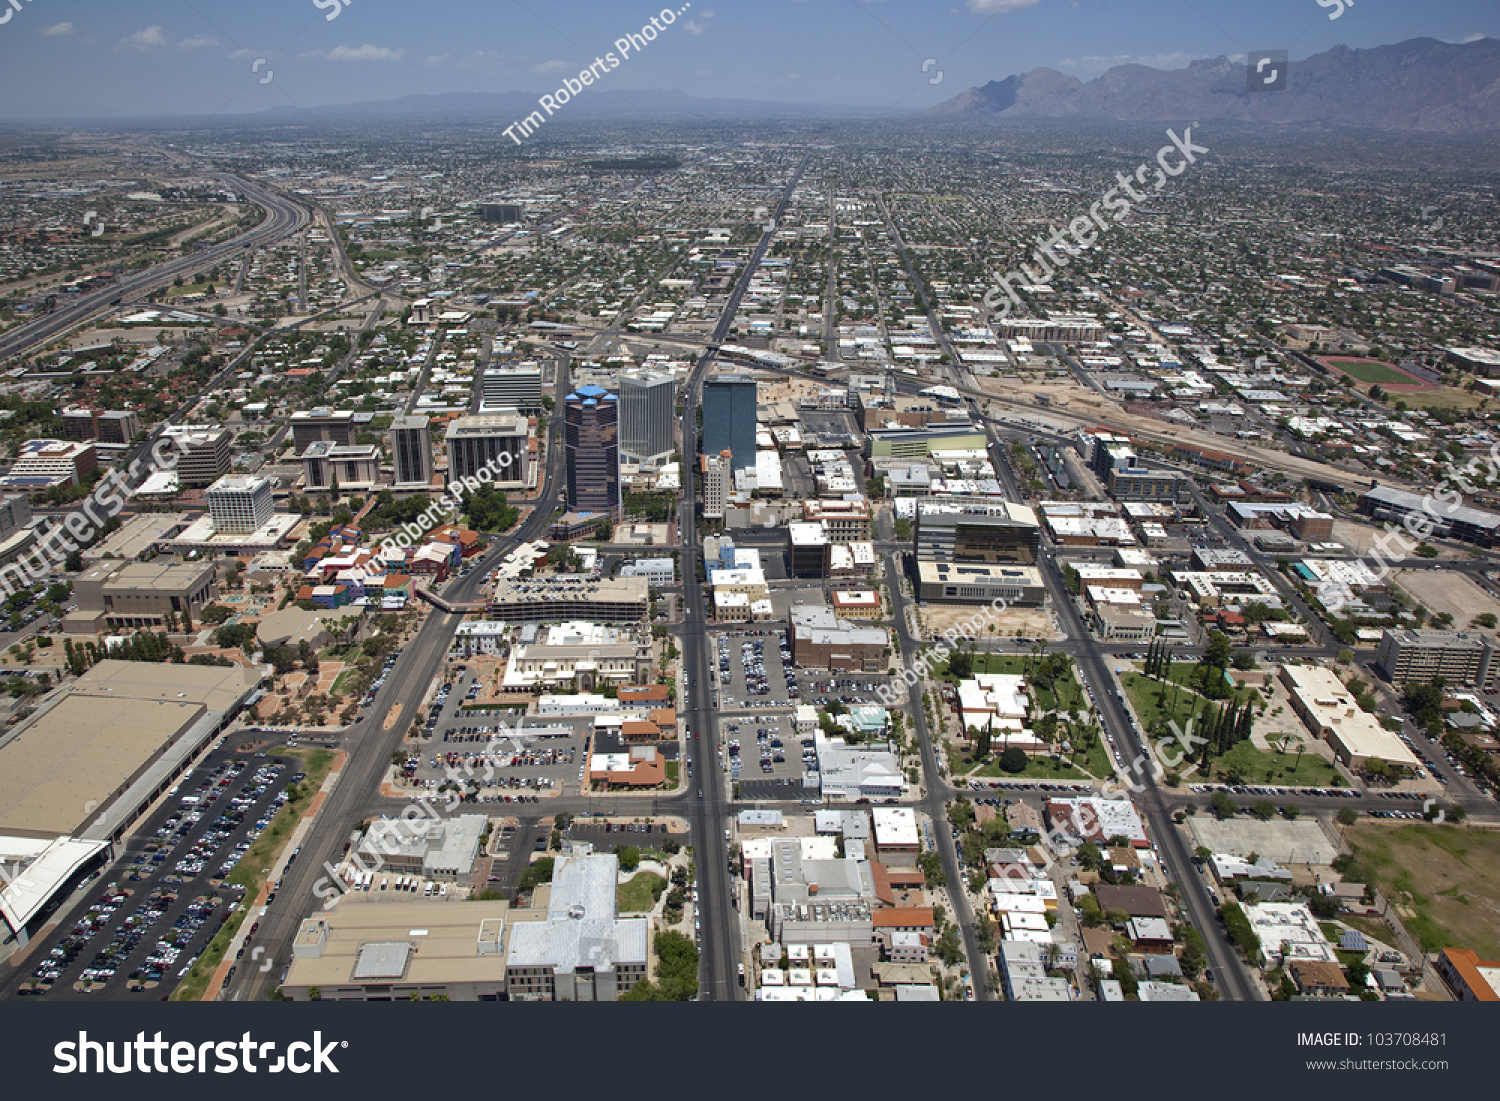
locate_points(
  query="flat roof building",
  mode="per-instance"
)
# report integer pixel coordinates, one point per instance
(1470, 525)
(203, 452)
(965, 530)
(1461, 658)
(411, 449)
(571, 596)
(239, 504)
(497, 442)
(309, 425)
(729, 418)
(1328, 709)
(648, 415)
(96, 753)
(130, 596)
(350, 467)
(373, 949)
(977, 582)
(582, 951)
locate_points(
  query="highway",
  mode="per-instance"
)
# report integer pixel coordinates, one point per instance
(284, 217)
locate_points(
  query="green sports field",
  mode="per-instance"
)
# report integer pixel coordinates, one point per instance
(1373, 371)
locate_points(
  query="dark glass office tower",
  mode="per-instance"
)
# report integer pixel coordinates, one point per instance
(591, 435)
(729, 418)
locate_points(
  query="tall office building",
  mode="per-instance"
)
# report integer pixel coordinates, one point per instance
(500, 212)
(956, 529)
(718, 484)
(239, 504)
(203, 452)
(648, 410)
(311, 425)
(411, 444)
(499, 441)
(591, 434)
(729, 418)
(518, 388)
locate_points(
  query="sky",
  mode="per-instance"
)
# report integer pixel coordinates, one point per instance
(108, 58)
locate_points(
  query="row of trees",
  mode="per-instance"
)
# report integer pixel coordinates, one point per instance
(1158, 659)
(142, 646)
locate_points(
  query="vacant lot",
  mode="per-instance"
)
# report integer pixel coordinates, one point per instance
(1443, 591)
(1009, 624)
(1443, 880)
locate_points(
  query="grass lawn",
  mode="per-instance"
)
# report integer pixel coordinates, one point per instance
(1259, 766)
(338, 682)
(1143, 691)
(251, 870)
(1443, 880)
(639, 893)
(1037, 768)
(671, 772)
(1444, 397)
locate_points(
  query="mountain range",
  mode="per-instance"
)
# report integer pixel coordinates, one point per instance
(1421, 85)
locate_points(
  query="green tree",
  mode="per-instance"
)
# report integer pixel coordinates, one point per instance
(1014, 760)
(630, 857)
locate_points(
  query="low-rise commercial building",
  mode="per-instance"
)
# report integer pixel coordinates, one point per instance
(974, 583)
(571, 596)
(820, 640)
(375, 950)
(129, 596)
(1329, 711)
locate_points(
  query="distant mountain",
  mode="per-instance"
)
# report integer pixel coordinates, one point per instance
(1421, 85)
(595, 103)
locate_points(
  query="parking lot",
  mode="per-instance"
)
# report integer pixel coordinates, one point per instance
(495, 754)
(146, 919)
(750, 671)
(766, 756)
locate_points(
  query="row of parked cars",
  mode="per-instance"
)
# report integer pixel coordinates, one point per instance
(385, 671)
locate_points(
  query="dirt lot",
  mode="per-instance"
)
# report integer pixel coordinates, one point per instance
(1359, 538)
(1447, 592)
(1027, 622)
(1444, 881)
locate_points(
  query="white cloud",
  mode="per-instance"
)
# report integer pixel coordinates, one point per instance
(367, 52)
(995, 7)
(242, 53)
(549, 66)
(693, 26)
(197, 42)
(148, 39)
(1466, 39)
(436, 59)
(57, 28)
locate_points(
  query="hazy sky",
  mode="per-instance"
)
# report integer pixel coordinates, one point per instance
(89, 58)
